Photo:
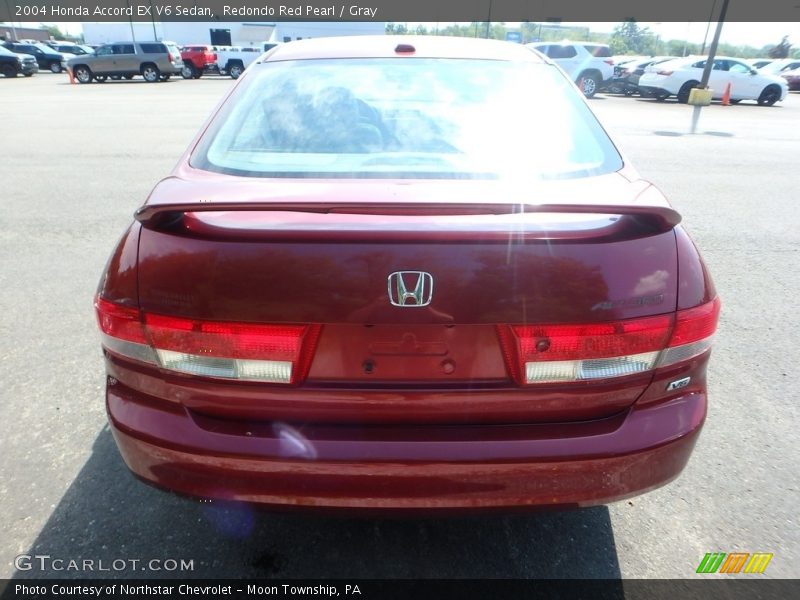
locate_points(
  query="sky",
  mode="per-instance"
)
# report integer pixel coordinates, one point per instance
(753, 34)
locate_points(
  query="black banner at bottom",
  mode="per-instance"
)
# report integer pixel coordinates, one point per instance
(420, 589)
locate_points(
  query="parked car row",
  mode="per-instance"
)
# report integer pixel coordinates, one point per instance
(593, 68)
(158, 61)
(154, 61)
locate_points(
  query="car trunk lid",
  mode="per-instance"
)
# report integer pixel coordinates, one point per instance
(488, 257)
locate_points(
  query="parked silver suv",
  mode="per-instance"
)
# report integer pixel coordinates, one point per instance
(155, 61)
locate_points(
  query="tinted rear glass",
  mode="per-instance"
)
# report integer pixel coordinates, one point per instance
(154, 48)
(561, 52)
(427, 118)
(599, 51)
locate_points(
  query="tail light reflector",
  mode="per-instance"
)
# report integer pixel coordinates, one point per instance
(555, 353)
(609, 61)
(693, 333)
(665, 73)
(244, 351)
(120, 321)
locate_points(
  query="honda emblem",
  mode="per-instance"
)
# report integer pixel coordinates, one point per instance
(410, 288)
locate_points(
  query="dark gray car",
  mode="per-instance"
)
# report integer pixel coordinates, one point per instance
(154, 61)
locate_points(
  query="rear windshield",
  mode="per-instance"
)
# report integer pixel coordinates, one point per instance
(406, 118)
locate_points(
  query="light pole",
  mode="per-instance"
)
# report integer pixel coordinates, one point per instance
(710, 18)
(13, 29)
(686, 40)
(130, 20)
(153, 19)
(714, 43)
(712, 51)
(658, 40)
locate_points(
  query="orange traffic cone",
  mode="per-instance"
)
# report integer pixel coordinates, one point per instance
(726, 97)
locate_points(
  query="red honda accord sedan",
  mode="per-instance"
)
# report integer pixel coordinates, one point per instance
(402, 274)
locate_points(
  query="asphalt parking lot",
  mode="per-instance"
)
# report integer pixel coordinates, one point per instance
(77, 160)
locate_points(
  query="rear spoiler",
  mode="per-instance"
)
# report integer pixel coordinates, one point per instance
(652, 219)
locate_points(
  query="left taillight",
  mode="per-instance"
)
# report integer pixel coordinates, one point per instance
(552, 353)
(231, 350)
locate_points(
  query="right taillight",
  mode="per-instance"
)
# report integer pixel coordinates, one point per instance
(665, 73)
(551, 353)
(693, 333)
(232, 350)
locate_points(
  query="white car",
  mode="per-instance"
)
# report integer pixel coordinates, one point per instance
(778, 67)
(678, 77)
(760, 63)
(588, 65)
(234, 60)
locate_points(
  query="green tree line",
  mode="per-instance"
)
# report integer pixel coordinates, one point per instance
(627, 38)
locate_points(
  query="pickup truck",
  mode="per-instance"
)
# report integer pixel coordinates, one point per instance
(198, 60)
(234, 60)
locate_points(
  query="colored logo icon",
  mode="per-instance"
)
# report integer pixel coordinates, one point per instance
(737, 562)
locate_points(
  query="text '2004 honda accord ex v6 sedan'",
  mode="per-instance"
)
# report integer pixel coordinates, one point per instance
(399, 274)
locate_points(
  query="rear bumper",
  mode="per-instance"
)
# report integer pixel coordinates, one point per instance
(621, 84)
(404, 468)
(649, 91)
(173, 68)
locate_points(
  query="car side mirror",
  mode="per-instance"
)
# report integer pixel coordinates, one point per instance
(753, 72)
